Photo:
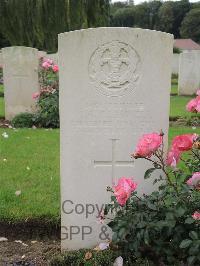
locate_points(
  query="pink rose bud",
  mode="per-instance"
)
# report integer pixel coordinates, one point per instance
(123, 189)
(55, 68)
(148, 144)
(173, 157)
(198, 92)
(194, 181)
(196, 215)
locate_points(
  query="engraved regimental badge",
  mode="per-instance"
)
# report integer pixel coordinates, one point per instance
(114, 68)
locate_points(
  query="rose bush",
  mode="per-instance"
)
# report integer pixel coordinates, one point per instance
(47, 99)
(165, 225)
(193, 105)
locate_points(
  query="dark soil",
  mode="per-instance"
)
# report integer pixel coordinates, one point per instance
(31, 229)
(28, 253)
(39, 241)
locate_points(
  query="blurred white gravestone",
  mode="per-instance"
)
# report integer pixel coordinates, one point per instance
(189, 73)
(114, 87)
(175, 63)
(20, 73)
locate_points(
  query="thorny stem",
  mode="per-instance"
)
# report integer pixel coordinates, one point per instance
(162, 164)
(196, 155)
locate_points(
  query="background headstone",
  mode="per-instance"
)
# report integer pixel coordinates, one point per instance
(189, 73)
(175, 63)
(114, 87)
(20, 75)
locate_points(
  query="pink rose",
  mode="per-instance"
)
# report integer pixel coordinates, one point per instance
(49, 61)
(173, 157)
(55, 68)
(183, 142)
(194, 181)
(123, 190)
(196, 215)
(147, 145)
(198, 92)
(46, 65)
(194, 105)
(36, 95)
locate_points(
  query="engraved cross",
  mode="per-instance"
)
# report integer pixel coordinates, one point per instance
(113, 163)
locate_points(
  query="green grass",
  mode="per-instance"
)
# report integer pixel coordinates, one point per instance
(2, 108)
(1, 88)
(174, 89)
(174, 85)
(39, 150)
(178, 106)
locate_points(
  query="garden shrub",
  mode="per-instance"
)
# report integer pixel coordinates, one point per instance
(47, 100)
(176, 50)
(23, 120)
(96, 258)
(48, 110)
(165, 225)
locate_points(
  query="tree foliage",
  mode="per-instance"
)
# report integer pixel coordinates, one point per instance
(36, 23)
(190, 27)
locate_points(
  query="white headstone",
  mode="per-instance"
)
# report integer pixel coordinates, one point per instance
(189, 73)
(175, 63)
(20, 75)
(114, 87)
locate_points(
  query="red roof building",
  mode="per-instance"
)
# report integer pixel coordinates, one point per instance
(186, 44)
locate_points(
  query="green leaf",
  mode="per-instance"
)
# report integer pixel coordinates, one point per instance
(193, 235)
(149, 172)
(151, 206)
(180, 211)
(169, 216)
(189, 220)
(122, 232)
(191, 260)
(185, 243)
(194, 249)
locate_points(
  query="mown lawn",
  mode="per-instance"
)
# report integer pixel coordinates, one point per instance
(29, 162)
(1, 88)
(178, 106)
(2, 108)
(174, 85)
